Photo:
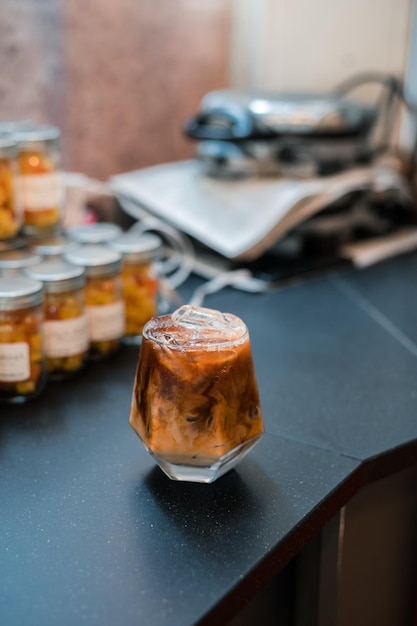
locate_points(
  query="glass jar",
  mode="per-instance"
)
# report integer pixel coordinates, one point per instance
(104, 297)
(13, 262)
(51, 248)
(22, 364)
(10, 210)
(99, 233)
(65, 326)
(140, 283)
(7, 245)
(41, 182)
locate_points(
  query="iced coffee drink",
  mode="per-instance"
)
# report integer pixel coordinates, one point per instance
(195, 402)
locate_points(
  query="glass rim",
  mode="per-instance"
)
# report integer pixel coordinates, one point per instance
(196, 344)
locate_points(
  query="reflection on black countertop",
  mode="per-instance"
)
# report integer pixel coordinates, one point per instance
(91, 531)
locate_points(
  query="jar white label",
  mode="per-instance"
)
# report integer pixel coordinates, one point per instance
(66, 337)
(14, 361)
(41, 191)
(107, 321)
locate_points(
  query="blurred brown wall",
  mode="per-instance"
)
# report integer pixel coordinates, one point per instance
(119, 78)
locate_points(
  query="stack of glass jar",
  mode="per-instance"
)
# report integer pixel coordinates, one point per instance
(64, 303)
(66, 297)
(121, 283)
(31, 189)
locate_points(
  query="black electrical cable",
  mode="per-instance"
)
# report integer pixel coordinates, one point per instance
(389, 104)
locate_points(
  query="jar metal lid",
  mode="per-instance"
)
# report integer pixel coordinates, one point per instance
(36, 133)
(20, 293)
(57, 276)
(96, 259)
(18, 259)
(52, 246)
(102, 232)
(137, 248)
(7, 144)
(12, 126)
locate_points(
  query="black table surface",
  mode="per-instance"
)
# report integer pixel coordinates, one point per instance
(92, 532)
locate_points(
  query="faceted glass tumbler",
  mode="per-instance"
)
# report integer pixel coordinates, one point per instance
(195, 402)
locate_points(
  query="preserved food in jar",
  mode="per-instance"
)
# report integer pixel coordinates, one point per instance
(22, 367)
(140, 283)
(41, 183)
(195, 402)
(104, 297)
(10, 212)
(65, 326)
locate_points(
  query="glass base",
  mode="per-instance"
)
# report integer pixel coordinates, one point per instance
(205, 473)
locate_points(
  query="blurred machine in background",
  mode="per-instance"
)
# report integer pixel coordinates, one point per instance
(242, 133)
(287, 184)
